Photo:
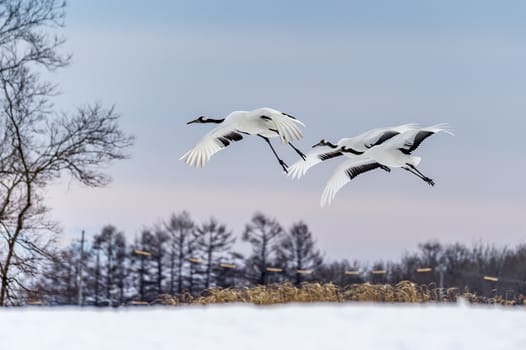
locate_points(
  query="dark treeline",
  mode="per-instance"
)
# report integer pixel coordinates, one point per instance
(181, 257)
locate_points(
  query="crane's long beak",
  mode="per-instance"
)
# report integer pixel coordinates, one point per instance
(318, 144)
(192, 121)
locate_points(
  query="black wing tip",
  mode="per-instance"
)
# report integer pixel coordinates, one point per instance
(224, 141)
(288, 115)
(231, 136)
(386, 136)
(329, 155)
(234, 136)
(352, 172)
(419, 138)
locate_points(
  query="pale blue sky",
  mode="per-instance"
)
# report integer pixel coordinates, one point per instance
(342, 67)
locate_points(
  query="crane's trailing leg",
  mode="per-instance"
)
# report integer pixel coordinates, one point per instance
(281, 162)
(425, 178)
(386, 168)
(415, 169)
(411, 168)
(302, 155)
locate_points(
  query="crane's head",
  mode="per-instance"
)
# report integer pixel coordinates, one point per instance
(201, 119)
(324, 142)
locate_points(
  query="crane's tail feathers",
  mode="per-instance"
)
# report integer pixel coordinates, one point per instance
(416, 160)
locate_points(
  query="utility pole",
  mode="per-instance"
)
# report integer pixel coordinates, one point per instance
(441, 269)
(81, 265)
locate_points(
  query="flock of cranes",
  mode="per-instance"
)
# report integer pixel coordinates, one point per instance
(380, 148)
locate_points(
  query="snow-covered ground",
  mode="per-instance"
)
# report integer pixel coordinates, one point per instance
(323, 326)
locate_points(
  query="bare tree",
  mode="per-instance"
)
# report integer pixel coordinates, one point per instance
(140, 265)
(22, 42)
(97, 283)
(337, 272)
(57, 284)
(213, 240)
(122, 268)
(112, 244)
(159, 253)
(297, 252)
(229, 271)
(37, 144)
(180, 227)
(193, 269)
(263, 234)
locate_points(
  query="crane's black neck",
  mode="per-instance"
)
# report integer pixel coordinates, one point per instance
(215, 121)
(351, 150)
(330, 144)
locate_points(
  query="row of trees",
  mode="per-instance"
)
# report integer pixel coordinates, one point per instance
(174, 257)
(180, 256)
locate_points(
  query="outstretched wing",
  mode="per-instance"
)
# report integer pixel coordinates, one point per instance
(211, 143)
(417, 140)
(410, 140)
(386, 135)
(316, 156)
(347, 171)
(378, 136)
(286, 125)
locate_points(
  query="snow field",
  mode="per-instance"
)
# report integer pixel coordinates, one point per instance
(247, 327)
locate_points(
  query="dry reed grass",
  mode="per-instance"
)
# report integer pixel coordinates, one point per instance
(403, 292)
